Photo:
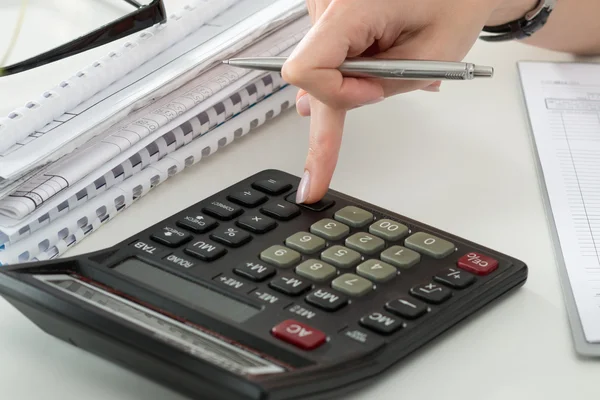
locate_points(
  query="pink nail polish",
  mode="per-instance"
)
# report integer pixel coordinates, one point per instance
(302, 192)
(303, 106)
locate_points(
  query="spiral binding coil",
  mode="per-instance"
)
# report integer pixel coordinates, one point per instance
(55, 238)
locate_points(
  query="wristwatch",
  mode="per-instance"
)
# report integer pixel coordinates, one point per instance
(523, 27)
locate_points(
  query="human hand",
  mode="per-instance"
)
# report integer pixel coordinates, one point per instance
(396, 29)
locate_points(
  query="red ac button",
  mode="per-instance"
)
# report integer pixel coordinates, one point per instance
(299, 334)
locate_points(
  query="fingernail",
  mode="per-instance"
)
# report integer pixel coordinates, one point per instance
(431, 89)
(302, 192)
(378, 100)
(434, 87)
(303, 106)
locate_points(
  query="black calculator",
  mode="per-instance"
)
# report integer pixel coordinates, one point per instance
(248, 295)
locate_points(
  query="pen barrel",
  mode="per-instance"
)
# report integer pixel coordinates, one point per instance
(408, 70)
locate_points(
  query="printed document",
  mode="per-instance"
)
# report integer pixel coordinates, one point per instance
(563, 101)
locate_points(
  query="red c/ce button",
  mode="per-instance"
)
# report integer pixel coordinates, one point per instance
(477, 263)
(299, 334)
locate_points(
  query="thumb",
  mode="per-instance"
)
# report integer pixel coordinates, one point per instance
(326, 128)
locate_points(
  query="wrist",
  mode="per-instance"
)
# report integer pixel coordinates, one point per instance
(510, 10)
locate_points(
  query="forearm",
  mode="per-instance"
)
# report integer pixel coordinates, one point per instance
(573, 26)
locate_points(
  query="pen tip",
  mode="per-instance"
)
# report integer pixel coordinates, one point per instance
(225, 61)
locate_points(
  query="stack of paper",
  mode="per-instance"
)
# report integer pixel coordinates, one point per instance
(86, 149)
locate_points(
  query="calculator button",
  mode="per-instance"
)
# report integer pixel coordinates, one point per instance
(171, 236)
(327, 300)
(316, 270)
(299, 334)
(248, 198)
(406, 308)
(280, 256)
(330, 229)
(455, 278)
(205, 251)
(281, 210)
(389, 230)
(150, 248)
(179, 261)
(477, 263)
(381, 323)
(256, 223)
(254, 271)
(233, 284)
(272, 186)
(353, 216)
(222, 210)
(352, 285)
(341, 257)
(197, 223)
(365, 243)
(376, 270)
(400, 257)
(431, 293)
(305, 242)
(429, 245)
(318, 206)
(291, 286)
(232, 237)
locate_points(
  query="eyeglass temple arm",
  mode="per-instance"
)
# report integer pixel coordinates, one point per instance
(99, 37)
(134, 3)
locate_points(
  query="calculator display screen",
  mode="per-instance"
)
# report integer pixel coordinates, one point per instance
(182, 336)
(185, 291)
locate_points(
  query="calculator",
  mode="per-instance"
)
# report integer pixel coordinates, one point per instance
(248, 295)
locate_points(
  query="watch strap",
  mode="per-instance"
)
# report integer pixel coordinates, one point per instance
(523, 27)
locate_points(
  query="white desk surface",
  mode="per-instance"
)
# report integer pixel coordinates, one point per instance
(460, 159)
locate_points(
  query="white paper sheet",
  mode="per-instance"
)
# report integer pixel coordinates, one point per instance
(563, 100)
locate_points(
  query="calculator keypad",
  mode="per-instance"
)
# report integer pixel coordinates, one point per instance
(338, 256)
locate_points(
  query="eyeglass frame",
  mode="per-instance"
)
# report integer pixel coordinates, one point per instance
(144, 17)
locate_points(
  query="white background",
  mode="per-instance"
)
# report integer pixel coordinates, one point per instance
(460, 160)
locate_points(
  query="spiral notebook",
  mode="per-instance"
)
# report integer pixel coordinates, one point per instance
(125, 144)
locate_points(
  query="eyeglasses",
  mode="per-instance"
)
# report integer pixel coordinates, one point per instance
(144, 17)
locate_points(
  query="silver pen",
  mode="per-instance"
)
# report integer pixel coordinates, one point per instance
(378, 68)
